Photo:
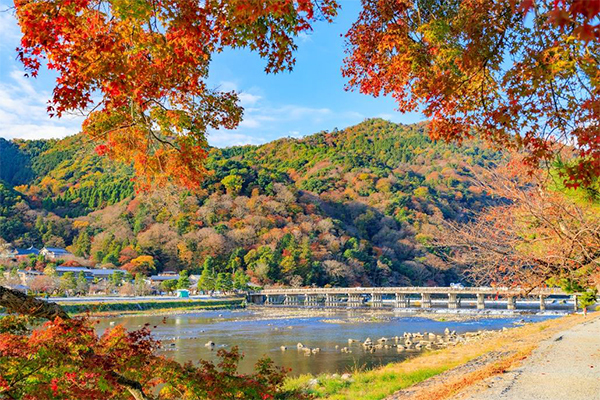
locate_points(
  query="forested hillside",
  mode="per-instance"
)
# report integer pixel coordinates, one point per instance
(349, 207)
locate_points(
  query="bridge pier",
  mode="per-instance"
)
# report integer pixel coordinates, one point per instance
(402, 300)
(330, 300)
(542, 303)
(376, 300)
(480, 301)
(312, 300)
(425, 300)
(511, 304)
(354, 300)
(452, 300)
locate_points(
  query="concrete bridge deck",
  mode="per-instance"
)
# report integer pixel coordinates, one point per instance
(402, 297)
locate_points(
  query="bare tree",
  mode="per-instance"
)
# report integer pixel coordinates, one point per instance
(538, 233)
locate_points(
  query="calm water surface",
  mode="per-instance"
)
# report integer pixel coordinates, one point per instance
(262, 333)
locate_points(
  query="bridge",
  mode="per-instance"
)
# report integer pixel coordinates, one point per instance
(422, 297)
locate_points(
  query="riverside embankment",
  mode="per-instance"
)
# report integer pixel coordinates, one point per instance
(115, 306)
(440, 374)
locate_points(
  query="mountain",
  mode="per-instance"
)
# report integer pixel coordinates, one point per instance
(356, 206)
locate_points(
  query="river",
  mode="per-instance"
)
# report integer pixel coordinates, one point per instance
(262, 333)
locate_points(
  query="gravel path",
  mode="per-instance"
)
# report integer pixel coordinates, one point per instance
(566, 367)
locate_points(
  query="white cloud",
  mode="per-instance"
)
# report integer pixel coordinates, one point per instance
(256, 117)
(227, 86)
(248, 99)
(225, 138)
(23, 112)
(9, 30)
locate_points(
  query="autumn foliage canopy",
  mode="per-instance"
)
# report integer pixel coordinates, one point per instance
(67, 359)
(138, 69)
(522, 74)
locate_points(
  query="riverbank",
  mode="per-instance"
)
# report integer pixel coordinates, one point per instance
(450, 369)
(149, 307)
(565, 366)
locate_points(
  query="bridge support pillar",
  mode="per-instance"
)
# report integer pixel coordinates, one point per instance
(480, 301)
(312, 300)
(511, 304)
(376, 300)
(402, 300)
(425, 300)
(354, 300)
(452, 300)
(330, 300)
(269, 300)
(542, 303)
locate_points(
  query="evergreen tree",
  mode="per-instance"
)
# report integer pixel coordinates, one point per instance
(224, 283)
(206, 283)
(82, 284)
(240, 280)
(68, 282)
(184, 280)
(169, 286)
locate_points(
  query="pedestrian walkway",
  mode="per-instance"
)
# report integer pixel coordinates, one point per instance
(565, 367)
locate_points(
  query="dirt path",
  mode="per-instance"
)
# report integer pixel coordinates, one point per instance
(564, 367)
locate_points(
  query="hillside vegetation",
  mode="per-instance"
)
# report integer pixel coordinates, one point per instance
(349, 207)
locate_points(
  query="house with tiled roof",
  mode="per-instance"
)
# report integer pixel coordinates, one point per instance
(54, 253)
(15, 253)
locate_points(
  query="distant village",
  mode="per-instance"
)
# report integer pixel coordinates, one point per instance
(56, 271)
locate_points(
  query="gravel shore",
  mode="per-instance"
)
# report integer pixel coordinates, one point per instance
(564, 367)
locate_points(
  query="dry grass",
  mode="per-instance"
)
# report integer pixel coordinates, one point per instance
(517, 344)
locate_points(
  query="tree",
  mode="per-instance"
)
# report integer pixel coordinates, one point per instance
(223, 282)
(65, 358)
(68, 282)
(139, 285)
(116, 278)
(206, 282)
(520, 74)
(148, 63)
(42, 284)
(82, 284)
(540, 233)
(233, 183)
(184, 280)
(169, 286)
(240, 280)
(50, 270)
(141, 265)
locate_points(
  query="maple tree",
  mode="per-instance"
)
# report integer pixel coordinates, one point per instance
(64, 358)
(539, 234)
(138, 69)
(523, 74)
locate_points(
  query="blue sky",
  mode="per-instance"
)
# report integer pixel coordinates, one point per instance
(309, 99)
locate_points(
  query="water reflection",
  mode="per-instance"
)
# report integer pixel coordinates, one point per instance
(258, 334)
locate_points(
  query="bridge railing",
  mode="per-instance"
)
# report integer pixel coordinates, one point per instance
(412, 290)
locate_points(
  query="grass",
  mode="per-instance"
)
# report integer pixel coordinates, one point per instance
(377, 384)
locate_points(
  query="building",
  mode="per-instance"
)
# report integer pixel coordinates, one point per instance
(55, 253)
(162, 278)
(17, 254)
(89, 273)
